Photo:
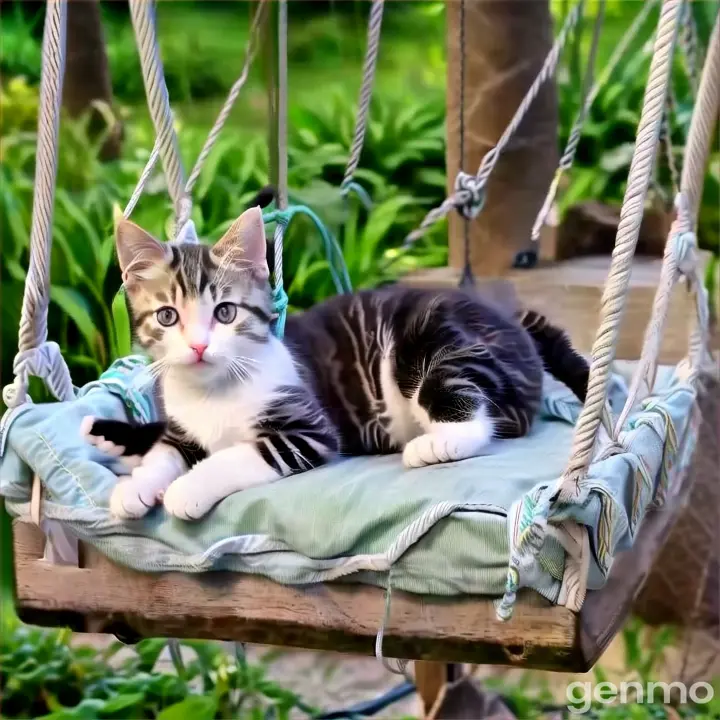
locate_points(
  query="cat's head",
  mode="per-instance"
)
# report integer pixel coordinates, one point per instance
(201, 310)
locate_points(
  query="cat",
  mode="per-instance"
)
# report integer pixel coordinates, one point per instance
(434, 374)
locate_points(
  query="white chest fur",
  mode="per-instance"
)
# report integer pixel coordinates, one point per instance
(220, 419)
(404, 417)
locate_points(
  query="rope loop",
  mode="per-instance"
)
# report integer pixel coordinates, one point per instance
(45, 362)
(360, 192)
(469, 196)
(683, 246)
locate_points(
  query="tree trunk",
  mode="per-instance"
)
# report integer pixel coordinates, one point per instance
(87, 74)
(506, 42)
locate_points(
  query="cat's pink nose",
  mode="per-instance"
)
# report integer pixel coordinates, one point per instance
(199, 350)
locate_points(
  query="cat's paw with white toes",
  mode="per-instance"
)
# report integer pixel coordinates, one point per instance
(428, 449)
(132, 498)
(441, 447)
(190, 497)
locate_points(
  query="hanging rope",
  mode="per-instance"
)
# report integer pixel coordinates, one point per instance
(36, 357)
(701, 126)
(361, 120)
(528, 258)
(616, 288)
(142, 13)
(469, 192)
(250, 52)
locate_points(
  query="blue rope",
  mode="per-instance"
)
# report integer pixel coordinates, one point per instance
(369, 708)
(361, 193)
(333, 253)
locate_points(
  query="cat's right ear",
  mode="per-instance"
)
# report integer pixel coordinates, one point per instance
(137, 251)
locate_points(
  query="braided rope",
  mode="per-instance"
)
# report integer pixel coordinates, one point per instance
(469, 189)
(568, 156)
(142, 182)
(679, 259)
(371, 56)
(142, 13)
(616, 287)
(227, 107)
(702, 123)
(36, 356)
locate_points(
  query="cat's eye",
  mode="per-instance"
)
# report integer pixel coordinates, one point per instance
(167, 316)
(226, 312)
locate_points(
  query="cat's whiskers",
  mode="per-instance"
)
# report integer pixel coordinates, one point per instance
(151, 373)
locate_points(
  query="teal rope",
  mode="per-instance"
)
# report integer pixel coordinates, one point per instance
(333, 253)
(360, 192)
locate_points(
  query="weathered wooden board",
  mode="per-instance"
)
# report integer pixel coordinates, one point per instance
(101, 596)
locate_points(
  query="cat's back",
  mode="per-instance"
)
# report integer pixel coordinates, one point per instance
(397, 310)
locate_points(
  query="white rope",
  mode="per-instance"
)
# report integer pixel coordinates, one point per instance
(227, 107)
(36, 357)
(680, 250)
(142, 182)
(616, 288)
(679, 260)
(697, 149)
(568, 155)
(702, 123)
(371, 56)
(469, 189)
(142, 13)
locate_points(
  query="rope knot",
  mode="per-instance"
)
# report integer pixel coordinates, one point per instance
(44, 362)
(469, 195)
(683, 245)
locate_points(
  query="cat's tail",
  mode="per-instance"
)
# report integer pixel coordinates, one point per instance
(263, 198)
(561, 359)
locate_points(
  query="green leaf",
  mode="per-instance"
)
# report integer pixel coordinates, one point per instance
(121, 326)
(123, 702)
(76, 306)
(196, 707)
(149, 651)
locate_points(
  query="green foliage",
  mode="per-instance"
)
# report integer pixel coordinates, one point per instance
(43, 675)
(84, 311)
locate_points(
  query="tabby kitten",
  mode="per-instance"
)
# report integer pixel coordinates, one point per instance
(434, 374)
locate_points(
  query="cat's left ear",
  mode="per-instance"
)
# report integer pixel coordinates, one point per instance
(244, 242)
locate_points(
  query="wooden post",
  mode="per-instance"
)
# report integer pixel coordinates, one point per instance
(505, 43)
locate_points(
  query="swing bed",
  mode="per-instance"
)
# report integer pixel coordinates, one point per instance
(508, 559)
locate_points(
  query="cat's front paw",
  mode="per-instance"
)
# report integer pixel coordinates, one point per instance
(440, 447)
(132, 499)
(191, 496)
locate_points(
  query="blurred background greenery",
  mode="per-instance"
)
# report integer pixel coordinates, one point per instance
(403, 168)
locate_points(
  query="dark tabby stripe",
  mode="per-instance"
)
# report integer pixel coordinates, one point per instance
(294, 435)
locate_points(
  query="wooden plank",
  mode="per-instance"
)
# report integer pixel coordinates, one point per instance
(345, 618)
(570, 292)
(103, 597)
(605, 611)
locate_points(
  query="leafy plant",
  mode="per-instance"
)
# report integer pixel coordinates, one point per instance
(44, 675)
